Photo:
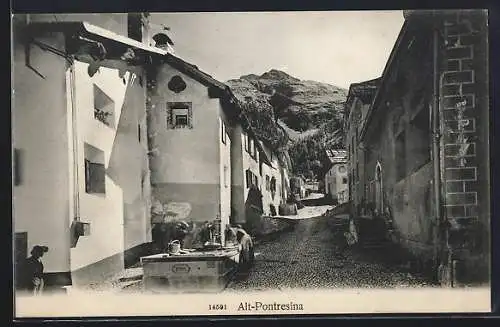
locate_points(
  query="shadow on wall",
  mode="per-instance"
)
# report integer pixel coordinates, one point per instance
(253, 210)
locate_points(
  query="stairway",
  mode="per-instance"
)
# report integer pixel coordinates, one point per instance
(372, 232)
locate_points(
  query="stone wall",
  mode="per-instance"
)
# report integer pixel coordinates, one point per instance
(465, 109)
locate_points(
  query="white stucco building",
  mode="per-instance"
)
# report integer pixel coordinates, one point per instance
(336, 176)
(79, 141)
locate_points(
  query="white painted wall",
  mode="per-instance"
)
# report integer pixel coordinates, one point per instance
(189, 155)
(334, 183)
(39, 128)
(272, 171)
(225, 172)
(103, 212)
(249, 163)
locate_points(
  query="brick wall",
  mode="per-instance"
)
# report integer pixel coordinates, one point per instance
(465, 128)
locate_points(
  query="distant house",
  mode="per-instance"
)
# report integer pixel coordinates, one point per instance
(359, 99)
(273, 182)
(336, 183)
(248, 158)
(80, 165)
(423, 145)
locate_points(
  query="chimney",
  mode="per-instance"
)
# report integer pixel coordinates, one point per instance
(138, 27)
(163, 42)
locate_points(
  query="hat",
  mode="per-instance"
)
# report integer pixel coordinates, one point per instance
(39, 249)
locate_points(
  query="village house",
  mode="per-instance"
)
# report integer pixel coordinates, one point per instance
(335, 179)
(424, 145)
(205, 157)
(359, 98)
(274, 174)
(249, 159)
(192, 140)
(131, 137)
(80, 163)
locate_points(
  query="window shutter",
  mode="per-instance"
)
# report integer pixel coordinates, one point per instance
(99, 178)
(18, 168)
(88, 188)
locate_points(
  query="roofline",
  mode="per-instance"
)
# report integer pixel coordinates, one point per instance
(86, 28)
(191, 70)
(395, 50)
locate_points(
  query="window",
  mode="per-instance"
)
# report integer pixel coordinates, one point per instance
(223, 131)
(226, 177)
(419, 140)
(250, 146)
(180, 115)
(18, 168)
(344, 180)
(95, 172)
(245, 139)
(268, 186)
(139, 132)
(104, 107)
(251, 178)
(272, 185)
(248, 178)
(400, 156)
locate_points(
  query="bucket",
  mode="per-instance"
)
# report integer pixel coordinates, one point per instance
(174, 247)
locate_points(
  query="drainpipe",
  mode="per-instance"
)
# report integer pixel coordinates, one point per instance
(74, 122)
(436, 139)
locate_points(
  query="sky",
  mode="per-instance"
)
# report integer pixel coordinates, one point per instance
(336, 47)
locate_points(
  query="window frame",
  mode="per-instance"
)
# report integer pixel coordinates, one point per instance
(225, 176)
(172, 117)
(93, 186)
(18, 166)
(223, 132)
(95, 171)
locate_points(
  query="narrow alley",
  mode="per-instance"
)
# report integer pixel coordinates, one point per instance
(315, 255)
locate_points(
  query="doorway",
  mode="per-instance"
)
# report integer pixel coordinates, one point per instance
(379, 197)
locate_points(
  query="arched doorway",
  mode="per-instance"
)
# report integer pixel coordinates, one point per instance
(379, 196)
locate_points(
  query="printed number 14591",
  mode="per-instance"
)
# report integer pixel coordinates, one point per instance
(217, 307)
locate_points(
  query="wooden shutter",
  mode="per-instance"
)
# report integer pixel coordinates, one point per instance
(88, 187)
(98, 178)
(247, 177)
(18, 168)
(95, 174)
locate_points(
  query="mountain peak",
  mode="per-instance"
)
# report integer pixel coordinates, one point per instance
(304, 111)
(278, 75)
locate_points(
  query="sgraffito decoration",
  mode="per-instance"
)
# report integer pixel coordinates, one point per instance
(462, 139)
(176, 84)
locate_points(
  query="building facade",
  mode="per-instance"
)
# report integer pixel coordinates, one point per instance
(424, 143)
(190, 139)
(247, 157)
(131, 136)
(336, 181)
(78, 114)
(273, 181)
(359, 98)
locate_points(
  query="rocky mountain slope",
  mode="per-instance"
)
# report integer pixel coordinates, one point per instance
(300, 117)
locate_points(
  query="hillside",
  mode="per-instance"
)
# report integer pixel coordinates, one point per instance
(299, 116)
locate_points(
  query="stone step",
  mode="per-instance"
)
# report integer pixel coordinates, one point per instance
(130, 274)
(130, 283)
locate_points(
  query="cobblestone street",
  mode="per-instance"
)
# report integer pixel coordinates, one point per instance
(314, 255)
